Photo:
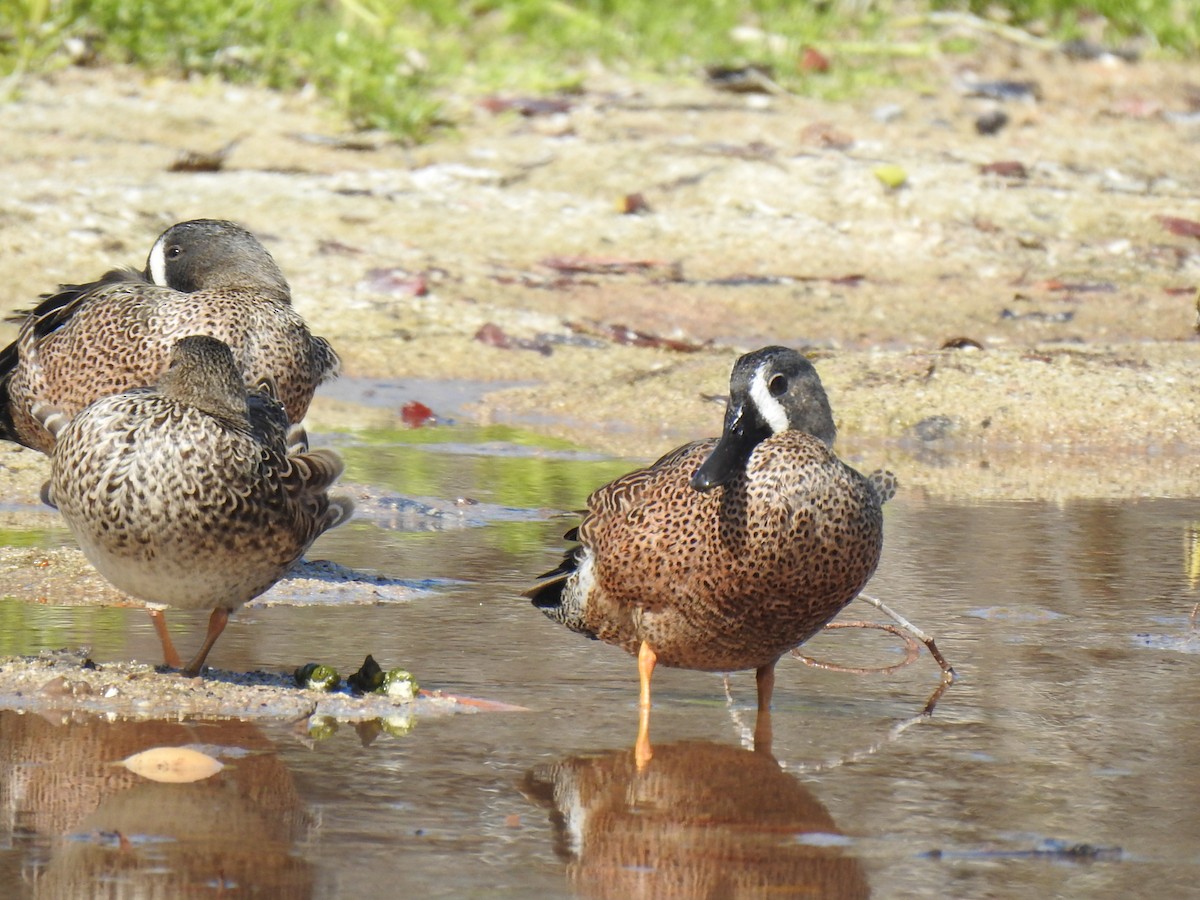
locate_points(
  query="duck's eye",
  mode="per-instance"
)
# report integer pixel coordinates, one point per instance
(777, 385)
(173, 251)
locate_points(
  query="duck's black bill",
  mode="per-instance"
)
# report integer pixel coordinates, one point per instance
(729, 457)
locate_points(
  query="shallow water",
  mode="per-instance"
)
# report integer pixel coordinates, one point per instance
(1063, 762)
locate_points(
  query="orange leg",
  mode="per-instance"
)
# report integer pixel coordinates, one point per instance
(216, 624)
(170, 656)
(765, 676)
(642, 751)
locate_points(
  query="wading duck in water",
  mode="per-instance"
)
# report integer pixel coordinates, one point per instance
(727, 553)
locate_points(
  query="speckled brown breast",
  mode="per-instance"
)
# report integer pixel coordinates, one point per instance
(120, 337)
(174, 506)
(733, 578)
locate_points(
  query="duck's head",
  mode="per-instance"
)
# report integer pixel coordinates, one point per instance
(203, 373)
(771, 390)
(212, 254)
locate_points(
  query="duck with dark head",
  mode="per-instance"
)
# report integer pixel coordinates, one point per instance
(727, 553)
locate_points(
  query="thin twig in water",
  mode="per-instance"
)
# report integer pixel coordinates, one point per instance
(947, 669)
(912, 650)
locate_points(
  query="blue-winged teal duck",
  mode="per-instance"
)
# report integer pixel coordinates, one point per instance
(726, 554)
(188, 494)
(202, 277)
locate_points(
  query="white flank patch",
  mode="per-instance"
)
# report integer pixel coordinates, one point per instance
(158, 264)
(584, 576)
(770, 408)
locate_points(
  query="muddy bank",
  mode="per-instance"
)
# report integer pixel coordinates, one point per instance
(71, 685)
(765, 223)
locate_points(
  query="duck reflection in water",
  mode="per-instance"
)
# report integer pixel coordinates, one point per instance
(106, 831)
(698, 820)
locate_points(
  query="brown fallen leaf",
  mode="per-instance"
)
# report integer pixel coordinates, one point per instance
(633, 204)
(327, 247)
(1181, 227)
(201, 161)
(756, 78)
(493, 335)
(395, 280)
(601, 265)
(173, 765)
(1006, 168)
(961, 343)
(623, 334)
(526, 106)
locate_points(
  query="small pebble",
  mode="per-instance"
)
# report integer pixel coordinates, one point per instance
(991, 122)
(889, 112)
(56, 687)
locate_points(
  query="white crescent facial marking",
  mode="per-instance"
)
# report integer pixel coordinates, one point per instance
(769, 407)
(158, 263)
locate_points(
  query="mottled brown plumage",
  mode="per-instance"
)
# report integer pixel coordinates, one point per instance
(726, 554)
(201, 277)
(186, 494)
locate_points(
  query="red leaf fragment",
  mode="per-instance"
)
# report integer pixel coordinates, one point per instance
(398, 281)
(633, 204)
(414, 414)
(526, 106)
(1006, 168)
(494, 336)
(623, 334)
(813, 60)
(601, 265)
(1185, 291)
(1077, 287)
(1181, 227)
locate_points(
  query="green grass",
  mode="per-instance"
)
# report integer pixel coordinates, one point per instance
(1169, 24)
(386, 63)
